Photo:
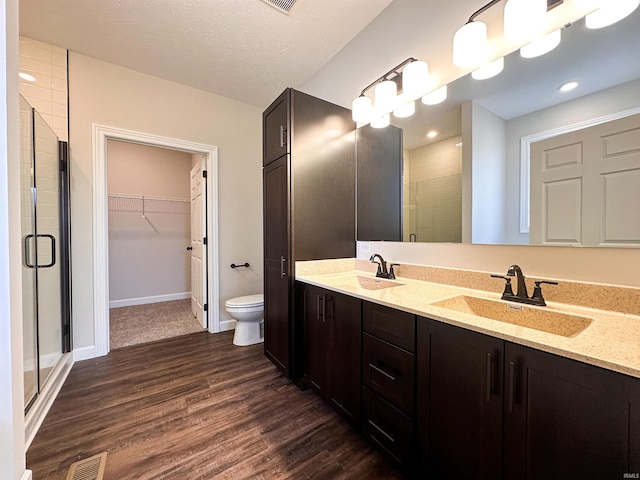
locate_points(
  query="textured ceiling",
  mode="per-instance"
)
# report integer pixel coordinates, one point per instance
(241, 49)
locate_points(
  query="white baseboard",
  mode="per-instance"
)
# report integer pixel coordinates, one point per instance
(84, 353)
(42, 405)
(227, 325)
(27, 475)
(129, 302)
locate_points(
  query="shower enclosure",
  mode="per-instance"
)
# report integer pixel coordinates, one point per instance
(45, 250)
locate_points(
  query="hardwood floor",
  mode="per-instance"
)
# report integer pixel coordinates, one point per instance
(197, 407)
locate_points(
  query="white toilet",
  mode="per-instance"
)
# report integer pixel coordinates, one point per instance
(248, 312)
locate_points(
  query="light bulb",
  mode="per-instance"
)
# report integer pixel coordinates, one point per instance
(385, 95)
(611, 12)
(405, 110)
(362, 109)
(524, 19)
(470, 44)
(414, 79)
(381, 121)
(541, 45)
(435, 97)
(489, 70)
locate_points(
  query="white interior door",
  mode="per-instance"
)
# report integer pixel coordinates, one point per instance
(198, 245)
(582, 184)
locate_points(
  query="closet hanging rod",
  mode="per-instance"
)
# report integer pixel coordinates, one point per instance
(148, 197)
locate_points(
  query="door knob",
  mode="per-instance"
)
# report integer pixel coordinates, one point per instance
(189, 248)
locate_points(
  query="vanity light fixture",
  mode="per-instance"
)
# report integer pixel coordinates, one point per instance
(542, 45)
(27, 77)
(439, 95)
(609, 11)
(414, 74)
(489, 70)
(567, 87)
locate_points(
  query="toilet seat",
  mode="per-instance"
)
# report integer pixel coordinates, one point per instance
(247, 301)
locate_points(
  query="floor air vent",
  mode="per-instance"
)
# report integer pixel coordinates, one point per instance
(91, 468)
(284, 6)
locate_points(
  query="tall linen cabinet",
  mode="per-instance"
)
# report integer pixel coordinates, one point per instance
(309, 207)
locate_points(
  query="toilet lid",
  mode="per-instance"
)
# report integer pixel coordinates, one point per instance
(246, 301)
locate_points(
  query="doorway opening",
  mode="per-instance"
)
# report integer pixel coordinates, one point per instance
(157, 220)
(144, 211)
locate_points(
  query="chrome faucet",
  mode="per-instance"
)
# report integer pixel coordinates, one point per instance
(382, 267)
(521, 295)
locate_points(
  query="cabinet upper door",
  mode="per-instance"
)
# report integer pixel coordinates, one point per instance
(275, 125)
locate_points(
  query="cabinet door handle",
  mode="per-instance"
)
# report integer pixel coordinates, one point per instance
(283, 140)
(379, 370)
(283, 273)
(321, 301)
(386, 435)
(489, 376)
(512, 379)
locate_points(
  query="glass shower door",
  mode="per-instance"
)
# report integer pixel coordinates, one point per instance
(45, 250)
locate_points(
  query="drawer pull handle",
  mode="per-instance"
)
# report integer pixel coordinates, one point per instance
(386, 435)
(379, 370)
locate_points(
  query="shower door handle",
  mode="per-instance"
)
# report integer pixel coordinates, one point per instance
(27, 250)
(53, 249)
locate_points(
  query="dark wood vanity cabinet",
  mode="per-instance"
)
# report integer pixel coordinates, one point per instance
(332, 346)
(490, 409)
(388, 379)
(459, 402)
(566, 419)
(309, 207)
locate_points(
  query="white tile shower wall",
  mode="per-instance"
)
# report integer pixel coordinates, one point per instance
(433, 192)
(48, 92)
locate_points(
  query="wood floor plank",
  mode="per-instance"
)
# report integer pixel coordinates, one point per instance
(197, 407)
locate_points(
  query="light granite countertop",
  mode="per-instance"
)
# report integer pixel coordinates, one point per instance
(611, 340)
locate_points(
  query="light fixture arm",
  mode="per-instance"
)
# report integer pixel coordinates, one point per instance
(483, 9)
(393, 70)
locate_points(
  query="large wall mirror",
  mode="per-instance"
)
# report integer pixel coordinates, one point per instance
(472, 181)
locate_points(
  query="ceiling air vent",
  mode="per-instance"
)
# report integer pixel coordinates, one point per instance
(285, 6)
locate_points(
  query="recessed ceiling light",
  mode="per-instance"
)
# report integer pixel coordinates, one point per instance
(567, 87)
(27, 77)
(432, 134)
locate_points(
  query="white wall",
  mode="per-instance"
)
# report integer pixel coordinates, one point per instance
(599, 104)
(487, 176)
(12, 440)
(148, 260)
(106, 94)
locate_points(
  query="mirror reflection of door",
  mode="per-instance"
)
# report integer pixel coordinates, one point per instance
(582, 184)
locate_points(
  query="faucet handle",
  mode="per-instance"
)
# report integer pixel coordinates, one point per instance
(392, 274)
(537, 291)
(508, 291)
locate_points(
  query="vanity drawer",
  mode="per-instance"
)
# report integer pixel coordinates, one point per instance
(387, 427)
(389, 371)
(396, 327)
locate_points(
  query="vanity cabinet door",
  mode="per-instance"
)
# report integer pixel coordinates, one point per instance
(567, 420)
(316, 338)
(275, 124)
(459, 402)
(332, 349)
(344, 316)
